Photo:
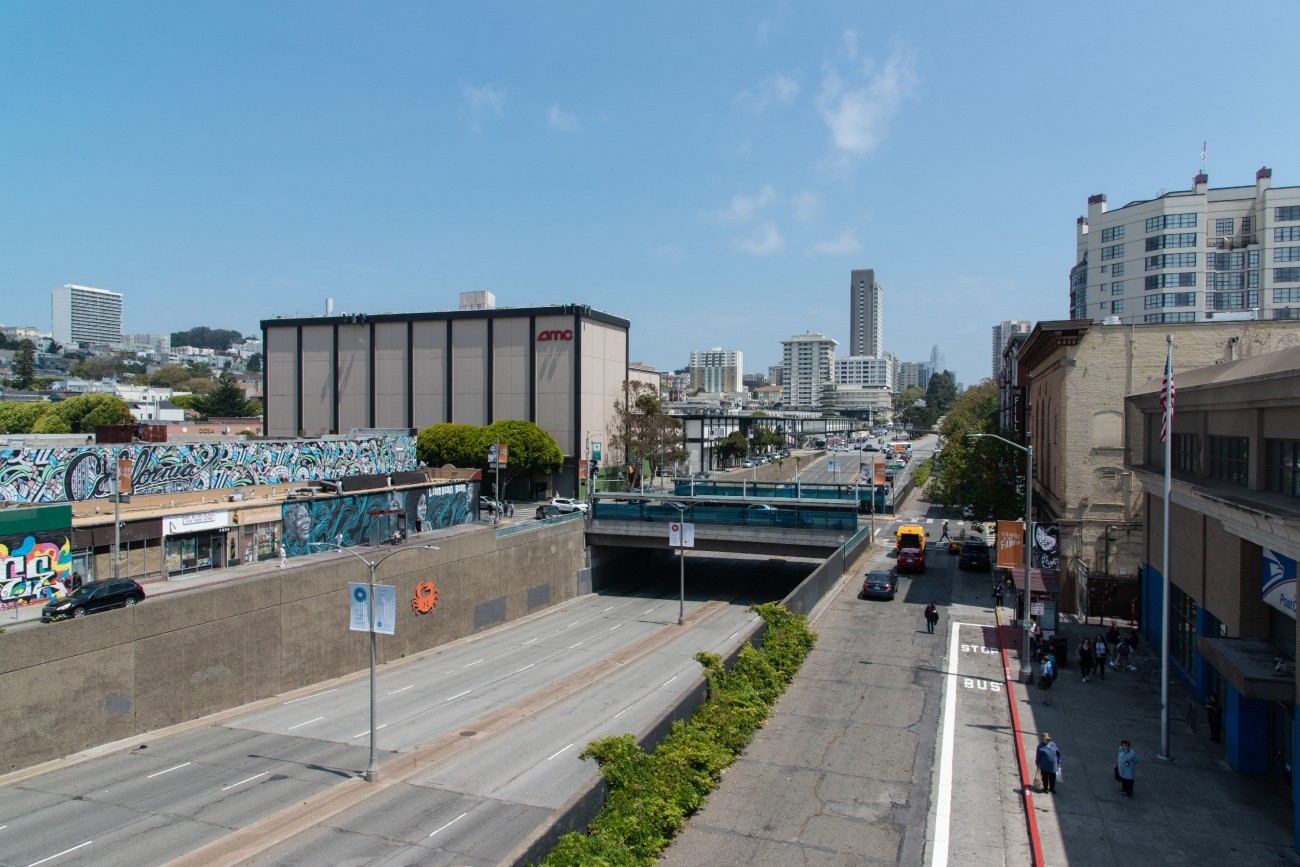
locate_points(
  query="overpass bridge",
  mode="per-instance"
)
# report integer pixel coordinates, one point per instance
(782, 519)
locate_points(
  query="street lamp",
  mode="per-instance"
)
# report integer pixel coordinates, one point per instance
(372, 772)
(1026, 664)
(681, 557)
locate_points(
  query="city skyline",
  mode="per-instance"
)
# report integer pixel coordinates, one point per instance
(708, 174)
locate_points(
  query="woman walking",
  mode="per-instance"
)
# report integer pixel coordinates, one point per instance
(931, 616)
(1085, 657)
(1099, 654)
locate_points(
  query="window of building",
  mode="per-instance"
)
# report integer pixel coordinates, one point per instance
(1171, 260)
(1230, 459)
(1246, 225)
(1117, 306)
(1171, 281)
(1182, 239)
(1114, 233)
(1170, 299)
(1286, 214)
(1282, 467)
(1185, 452)
(1252, 259)
(1172, 221)
(1225, 261)
(1286, 233)
(1286, 254)
(1114, 252)
(1286, 296)
(1224, 226)
(1252, 279)
(1159, 318)
(1117, 288)
(1228, 280)
(1117, 270)
(1183, 612)
(1103, 268)
(1286, 275)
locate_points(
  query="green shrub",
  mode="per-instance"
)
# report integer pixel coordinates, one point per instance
(651, 795)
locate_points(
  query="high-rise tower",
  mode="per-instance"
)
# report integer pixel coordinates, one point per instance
(866, 314)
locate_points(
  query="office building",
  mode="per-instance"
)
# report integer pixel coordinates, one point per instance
(86, 316)
(938, 363)
(866, 314)
(865, 371)
(1193, 255)
(808, 364)
(914, 374)
(1002, 333)
(717, 370)
(561, 367)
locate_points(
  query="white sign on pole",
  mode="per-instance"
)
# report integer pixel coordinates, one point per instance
(681, 535)
(385, 608)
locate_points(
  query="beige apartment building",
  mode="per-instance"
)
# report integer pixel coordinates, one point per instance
(1080, 372)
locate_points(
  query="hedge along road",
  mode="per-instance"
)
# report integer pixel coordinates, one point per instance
(235, 783)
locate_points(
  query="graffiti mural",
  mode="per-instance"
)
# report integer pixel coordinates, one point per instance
(73, 474)
(350, 520)
(36, 568)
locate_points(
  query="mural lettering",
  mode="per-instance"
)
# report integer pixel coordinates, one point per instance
(34, 568)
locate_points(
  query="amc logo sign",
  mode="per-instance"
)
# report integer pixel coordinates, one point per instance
(566, 334)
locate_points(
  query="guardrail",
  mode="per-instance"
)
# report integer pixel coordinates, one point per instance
(526, 526)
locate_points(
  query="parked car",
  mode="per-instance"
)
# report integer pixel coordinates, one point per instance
(747, 464)
(568, 504)
(879, 584)
(911, 559)
(956, 540)
(487, 504)
(974, 555)
(92, 597)
(895, 465)
(546, 510)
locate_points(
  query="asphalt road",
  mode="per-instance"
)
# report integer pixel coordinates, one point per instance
(479, 742)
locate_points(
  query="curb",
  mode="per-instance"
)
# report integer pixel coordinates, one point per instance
(1026, 787)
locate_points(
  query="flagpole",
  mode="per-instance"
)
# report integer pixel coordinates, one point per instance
(1167, 427)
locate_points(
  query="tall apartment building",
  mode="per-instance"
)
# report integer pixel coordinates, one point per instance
(914, 374)
(866, 314)
(1002, 333)
(717, 370)
(807, 364)
(86, 315)
(1191, 255)
(866, 371)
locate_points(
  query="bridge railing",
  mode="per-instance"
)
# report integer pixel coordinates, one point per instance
(795, 516)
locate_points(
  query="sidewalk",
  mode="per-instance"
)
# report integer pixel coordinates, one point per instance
(1192, 810)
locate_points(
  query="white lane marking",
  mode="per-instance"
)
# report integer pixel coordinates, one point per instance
(733, 635)
(459, 694)
(670, 680)
(579, 644)
(610, 608)
(525, 668)
(307, 723)
(574, 623)
(168, 771)
(449, 824)
(553, 755)
(366, 732)
(315, 695)
(623, 711)
(64, 852)
(249, 780)
(530, 641)
(943, 811)
(475, 662)
(644, 613)
(403, 689)
(612, 628)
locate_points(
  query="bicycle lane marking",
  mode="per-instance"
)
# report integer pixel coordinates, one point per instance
(973, 768)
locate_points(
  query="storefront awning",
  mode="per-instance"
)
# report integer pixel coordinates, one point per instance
(1248, 664)
(1041, 580)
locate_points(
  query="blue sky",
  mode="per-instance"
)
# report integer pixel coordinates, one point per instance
(710, 171)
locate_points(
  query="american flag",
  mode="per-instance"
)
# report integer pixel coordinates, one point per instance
(1167, 397)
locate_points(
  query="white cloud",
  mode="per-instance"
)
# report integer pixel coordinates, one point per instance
(487, 100)
(764, 240)
(777, 88)
(561, 120)
(858, 115)
(843, 244)
(744, 208)
(770, 25)
(806, 206)
(850, 44)
(668, 251)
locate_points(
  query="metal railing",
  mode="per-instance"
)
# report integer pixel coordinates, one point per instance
(527, 526)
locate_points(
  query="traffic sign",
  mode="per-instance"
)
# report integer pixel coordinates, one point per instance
(385, 602)
(681, 535)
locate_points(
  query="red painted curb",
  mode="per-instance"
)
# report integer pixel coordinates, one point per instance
(1026, 780)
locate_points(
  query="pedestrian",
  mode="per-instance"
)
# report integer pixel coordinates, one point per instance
(997, 595)
(1085, 657)
(944, 537)
(510, 508)
(1048, 760)
(931, 616)
(76, 580)
(1035, 635)
(1123, 655)
(1112, 634)
(284, 557)
(1099, 654)
(1048, 673)
(1126, 768)
(1214, 716)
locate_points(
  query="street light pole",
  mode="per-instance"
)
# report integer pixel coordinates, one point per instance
(1026, 663)
(372, 771)
(681, 560)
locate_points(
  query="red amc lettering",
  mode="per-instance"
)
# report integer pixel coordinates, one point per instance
(566, 334)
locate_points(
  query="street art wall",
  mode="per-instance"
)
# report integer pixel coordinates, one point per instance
(72, 474)
(366, 518)
(36, 568)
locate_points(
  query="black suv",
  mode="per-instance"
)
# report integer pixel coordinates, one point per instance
(974, 555)
(92, 597)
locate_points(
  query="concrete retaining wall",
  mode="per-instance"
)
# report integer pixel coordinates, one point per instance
(80, 683)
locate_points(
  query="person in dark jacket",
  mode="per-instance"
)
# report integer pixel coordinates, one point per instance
(931, 616)
(1048, 760)
(1214, 716)
(1085, 657)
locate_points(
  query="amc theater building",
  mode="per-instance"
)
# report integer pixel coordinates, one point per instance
(560, 367)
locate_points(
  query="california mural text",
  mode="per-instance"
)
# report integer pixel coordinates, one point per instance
(36, 568)
(73, 474)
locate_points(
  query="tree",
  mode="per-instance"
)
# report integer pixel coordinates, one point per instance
(24, 364)
(169, 376)
(254, 363)
(203, 337)
(82, 414)
(225, 400)
(983, 474)
(733, 446)
(446, 443)
(941, 392)
(18, 418)
(198, 370)
(529, 450)
(644, 430)
(98, 367)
